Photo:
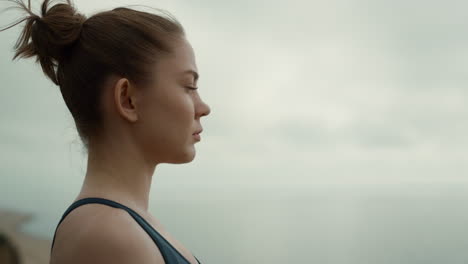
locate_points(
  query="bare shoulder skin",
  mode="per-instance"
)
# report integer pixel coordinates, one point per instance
(96, 233)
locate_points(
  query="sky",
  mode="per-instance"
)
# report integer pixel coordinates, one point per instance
(302, 93)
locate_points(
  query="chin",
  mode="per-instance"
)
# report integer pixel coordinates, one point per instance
(185, 157)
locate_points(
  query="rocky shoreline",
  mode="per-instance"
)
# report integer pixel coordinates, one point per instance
(30, 249)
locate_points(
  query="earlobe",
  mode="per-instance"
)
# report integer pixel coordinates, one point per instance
(125, 99)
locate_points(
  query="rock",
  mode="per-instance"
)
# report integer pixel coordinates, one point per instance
(30, 249)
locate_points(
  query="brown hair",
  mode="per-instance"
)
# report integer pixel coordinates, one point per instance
(78, 54)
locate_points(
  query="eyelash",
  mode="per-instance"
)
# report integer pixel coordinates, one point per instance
(191, 88)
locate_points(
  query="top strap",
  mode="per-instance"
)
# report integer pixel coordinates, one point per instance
(169, 253)
(87, 201)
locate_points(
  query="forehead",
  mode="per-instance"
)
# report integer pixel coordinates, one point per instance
(181, 61)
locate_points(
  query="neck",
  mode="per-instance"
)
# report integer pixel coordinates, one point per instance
(119, 172)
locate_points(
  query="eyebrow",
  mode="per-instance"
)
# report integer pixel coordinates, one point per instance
(194, 73)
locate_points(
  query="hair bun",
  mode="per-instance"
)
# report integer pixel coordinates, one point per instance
(59, 27)
(49, 37)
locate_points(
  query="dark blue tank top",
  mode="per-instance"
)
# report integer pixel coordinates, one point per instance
(169, 253)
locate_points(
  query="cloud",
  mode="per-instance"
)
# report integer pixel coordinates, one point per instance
(321, 88)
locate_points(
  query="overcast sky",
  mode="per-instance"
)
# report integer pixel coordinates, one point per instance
(302, 93)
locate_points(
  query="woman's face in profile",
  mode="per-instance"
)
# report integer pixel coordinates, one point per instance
(171, 109)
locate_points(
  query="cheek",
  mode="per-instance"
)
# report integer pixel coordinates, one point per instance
(169, 135)
(178, 110)
(170, 120)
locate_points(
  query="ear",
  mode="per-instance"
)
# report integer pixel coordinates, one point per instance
(125, 99)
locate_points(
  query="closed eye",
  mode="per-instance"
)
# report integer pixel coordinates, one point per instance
(191, 87)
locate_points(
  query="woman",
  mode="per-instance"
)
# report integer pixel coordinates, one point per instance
(129, 79)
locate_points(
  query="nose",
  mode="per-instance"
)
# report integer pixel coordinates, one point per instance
(203, 109)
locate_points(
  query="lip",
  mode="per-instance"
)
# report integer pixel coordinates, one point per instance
(196, 135)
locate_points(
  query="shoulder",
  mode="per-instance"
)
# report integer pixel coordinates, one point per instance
(102, 234)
